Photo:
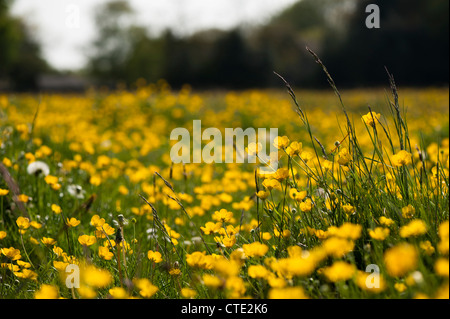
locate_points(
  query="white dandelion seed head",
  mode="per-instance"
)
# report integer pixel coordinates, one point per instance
(38, 168)
(76, 191)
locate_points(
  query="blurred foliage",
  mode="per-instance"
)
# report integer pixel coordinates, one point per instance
(412, 44)
(20, 57)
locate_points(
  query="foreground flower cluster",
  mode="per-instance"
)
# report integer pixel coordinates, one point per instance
(91, 205)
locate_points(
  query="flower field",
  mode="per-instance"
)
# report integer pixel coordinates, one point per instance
(357, 208)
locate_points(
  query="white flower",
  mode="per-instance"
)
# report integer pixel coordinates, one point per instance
(37, 168)
(76, 191)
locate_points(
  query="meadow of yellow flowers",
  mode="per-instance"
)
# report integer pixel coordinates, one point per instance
(91, 205)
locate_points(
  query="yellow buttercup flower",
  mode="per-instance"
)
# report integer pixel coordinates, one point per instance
(72, 222)
(371, 118)
(104, 253)
(402, 158)
(48, 241)
(379, 233)
(23, 222)
(11, 253)
(222, 215)
(56, 209)
(146, 288)
(339, 271)
(47, 292)
(255, 249)
(400, 259)
(415, 228)
(23, 198)
(87, 240)
(287, 293)
(154, 256)
(4, 192)
(281, 142)
(97, 221)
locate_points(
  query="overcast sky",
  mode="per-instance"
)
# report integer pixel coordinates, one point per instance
(64, 27)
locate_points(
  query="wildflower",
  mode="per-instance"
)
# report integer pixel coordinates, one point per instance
(34, 241)
(188, 293)
(2, 234)
(441, 267)
(379, 233)
(174, 271)
(400, 287)
(38, 168)
(56, 209)
(27, 274)
(87, 240)
(415, 228)
(48, 241)
(104, 253)
(86, 292)
(443, 245)
(212, 281)
(427, 247)
(348, 209)
(400, 259)
(386, 221)
(154, 256)
(123, 190)
(60, 265)
(7, 162)
(371, 118)
(4, 192)
(95, 277)
(118, 293)
(402, 158)
(258, 271)
(344, 157)
(408, 211)
(270, 184)
(235, 287)
(306, 206)
(281, 173)
(262, 194)
(255, 249)
(211, 227)
(306, 156)
(339, 271)
(11, 253)
(76, 191)
(23, 198)
(43, 151)
(287, 293)
(35, 224)
(374, 286)
(226, 241)
(146, 288)
(47, 292)
(23, 223)
(51, 180)
(281, 142)
(338, 247)
(72, 222)
(222, 215)
(253, 148)
(294, 149)
(96, 221)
